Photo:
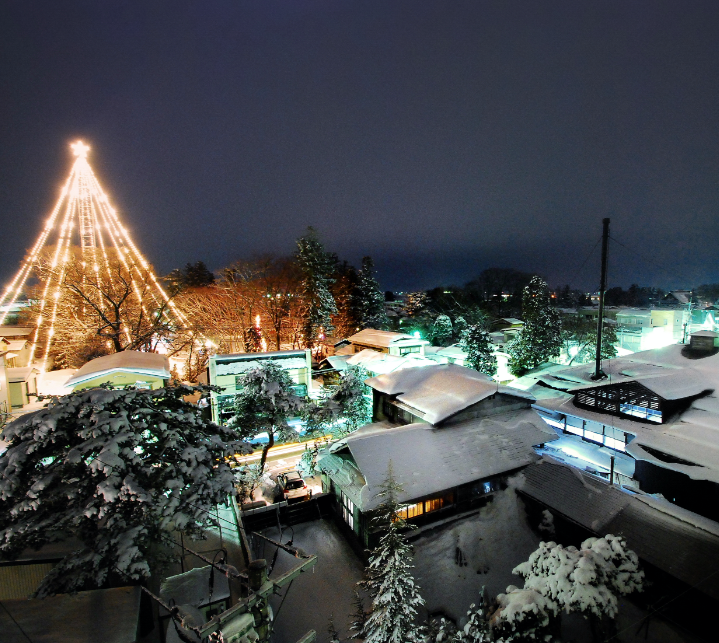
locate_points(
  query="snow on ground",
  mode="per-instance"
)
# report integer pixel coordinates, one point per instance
(454, 561)
(53, 382)
(314, 596)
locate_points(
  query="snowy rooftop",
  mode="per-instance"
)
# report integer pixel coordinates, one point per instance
(672, 373)
(384, 338)
(278, 355)
(427, 460)
(21, 373)
(381, 363)
(242, 366)
(440, 391)
(15, 331)
(675, 540)
(152, 364)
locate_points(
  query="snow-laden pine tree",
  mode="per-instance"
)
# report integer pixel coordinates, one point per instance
(264, 404)
(116, 470)
(480, 352)
(441, 331)
(389, 581)
(369, 300)
(540, 338)
(316, 265)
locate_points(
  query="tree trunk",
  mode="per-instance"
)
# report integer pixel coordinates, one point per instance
(265, 449)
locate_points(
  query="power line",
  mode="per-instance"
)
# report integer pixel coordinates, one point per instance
(14, 621)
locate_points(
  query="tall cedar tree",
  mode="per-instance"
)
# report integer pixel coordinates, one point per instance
(264, 404)
(389, 581)
(344, 291)
(369, 298)
(540, 338)
(480, 354)
(316, 265)
(116, 470)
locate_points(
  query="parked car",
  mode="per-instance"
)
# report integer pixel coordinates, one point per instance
(291, 487)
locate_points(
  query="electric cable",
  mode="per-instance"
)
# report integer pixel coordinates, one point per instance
(14, 621)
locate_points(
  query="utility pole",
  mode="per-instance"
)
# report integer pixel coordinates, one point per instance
(598, 372)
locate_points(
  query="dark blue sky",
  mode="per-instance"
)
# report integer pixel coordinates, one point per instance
(439, 137)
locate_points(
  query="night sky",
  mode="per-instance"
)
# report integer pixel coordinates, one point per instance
(441, 138)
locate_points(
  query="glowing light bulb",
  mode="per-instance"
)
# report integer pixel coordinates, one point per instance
(79, 149)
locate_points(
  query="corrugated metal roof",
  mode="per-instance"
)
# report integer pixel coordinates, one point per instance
(672, 540)
(427, 460)
(107, 615)
(20, 581)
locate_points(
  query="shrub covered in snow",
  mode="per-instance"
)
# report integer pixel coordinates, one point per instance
(115, 470)
(585, 580)
(522, 615)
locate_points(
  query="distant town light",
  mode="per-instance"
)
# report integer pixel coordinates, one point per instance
(417, 334)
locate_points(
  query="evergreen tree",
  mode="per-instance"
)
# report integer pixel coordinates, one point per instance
(441, 331)
(540, 338)
(253, 340)
(342, 408)
(264, 404)
(460, 326)
(117, 470)
(317, 266)
(480, 353)
(477, 629)
(389, 581)
(369, 301)
(358, 616)
(344, 291)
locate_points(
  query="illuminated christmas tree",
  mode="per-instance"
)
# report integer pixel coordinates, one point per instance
(87, 279)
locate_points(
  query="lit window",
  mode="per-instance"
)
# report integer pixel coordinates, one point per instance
(348, 510)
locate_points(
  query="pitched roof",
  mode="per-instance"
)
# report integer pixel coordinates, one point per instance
(384, 338)
(152, 364)
(675, 540)
(377, 362)
(441, 390)
(427, 460)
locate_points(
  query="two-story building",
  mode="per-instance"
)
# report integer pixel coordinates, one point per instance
(384, 341)
(451, 435)
(640, 329)
(226, 372)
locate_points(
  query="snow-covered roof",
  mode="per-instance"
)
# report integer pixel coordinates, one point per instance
(242, 366)
(276, 355)
(151, 364)
(19, 344)
(442, 390)
(673, 373)
(705, 333)
(380, 363)
(635, 312)
(384, 338)
(427, 460)
(15, 331)
(675, 540)
(20, 374)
